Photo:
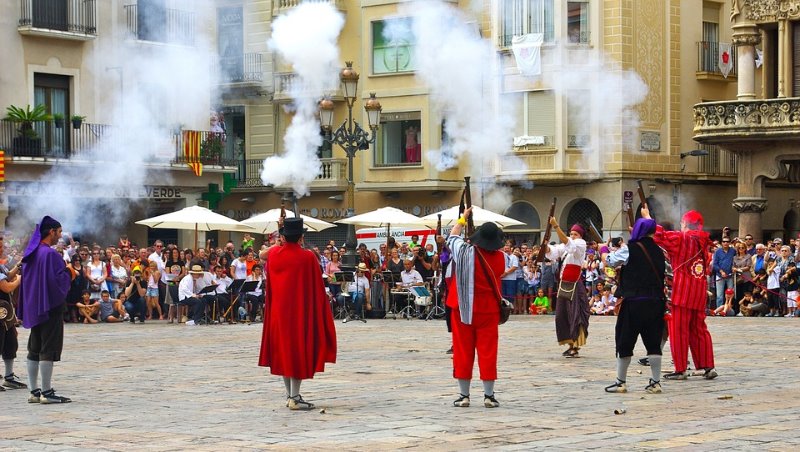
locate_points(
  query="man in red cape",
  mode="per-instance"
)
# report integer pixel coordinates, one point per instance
(299, 336)
(691, 262)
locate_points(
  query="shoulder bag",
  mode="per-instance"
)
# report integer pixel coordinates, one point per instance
(505, 306)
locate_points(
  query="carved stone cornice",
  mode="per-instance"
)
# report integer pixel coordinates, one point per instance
(737, 119)
(762, 11)
(746, 39)
(749, 205)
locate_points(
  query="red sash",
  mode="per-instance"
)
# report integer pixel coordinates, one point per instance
(571, 273)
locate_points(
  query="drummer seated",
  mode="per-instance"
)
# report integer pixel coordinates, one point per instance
(410, 276)
(358, 291)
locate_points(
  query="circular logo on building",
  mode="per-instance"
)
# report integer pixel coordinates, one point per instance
(416, 210)
(314, 212)
(697, 269)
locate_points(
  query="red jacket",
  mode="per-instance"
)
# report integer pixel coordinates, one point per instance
(691, 263)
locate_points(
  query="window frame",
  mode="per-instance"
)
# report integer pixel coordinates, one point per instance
(378, 146)
(411, 46)
(504, 39)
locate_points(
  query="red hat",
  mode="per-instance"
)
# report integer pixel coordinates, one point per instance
(578, 228)
(693, 218)
(728, 291)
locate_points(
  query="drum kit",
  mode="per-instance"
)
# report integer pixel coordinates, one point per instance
(419, 301)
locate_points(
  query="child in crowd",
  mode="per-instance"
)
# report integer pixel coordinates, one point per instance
(597, 304)
(110, 309)
(758, 307)
(541, 304)
(609, 301)
(88, 307)
(726, 310)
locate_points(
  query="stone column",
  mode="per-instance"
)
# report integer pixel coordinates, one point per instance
(750, 216)
(746, 37)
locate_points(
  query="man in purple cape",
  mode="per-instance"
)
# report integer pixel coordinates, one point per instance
(44, 289)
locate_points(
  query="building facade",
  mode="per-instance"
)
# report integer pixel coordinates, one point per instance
(123, 85)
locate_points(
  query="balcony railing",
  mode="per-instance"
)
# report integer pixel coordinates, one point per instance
(708, 58)
(45, 140)
(718, 162)
(287, 82)
(170, 26)
(282, 6)
(73, 19)
(736, 120)
(332, 176)
(244, 68)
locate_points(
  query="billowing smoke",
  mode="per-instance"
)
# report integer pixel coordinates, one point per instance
(457, 65)
(306, 38)
(145, 91)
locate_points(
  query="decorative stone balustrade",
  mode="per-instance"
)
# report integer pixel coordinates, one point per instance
(736, 120)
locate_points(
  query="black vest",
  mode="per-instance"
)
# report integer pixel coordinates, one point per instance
(638, 279)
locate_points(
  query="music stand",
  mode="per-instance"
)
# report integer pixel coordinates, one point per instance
(344, 312)
(209, 289)
(437, 309)
(234, 288)
(247, 287)
(391, 279)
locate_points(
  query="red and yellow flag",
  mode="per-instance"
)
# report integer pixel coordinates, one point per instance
(191, 151)
(2, 165)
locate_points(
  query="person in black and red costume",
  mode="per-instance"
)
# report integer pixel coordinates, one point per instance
(475, 308)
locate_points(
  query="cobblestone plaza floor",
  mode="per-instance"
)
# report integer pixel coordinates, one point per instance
(156, 386)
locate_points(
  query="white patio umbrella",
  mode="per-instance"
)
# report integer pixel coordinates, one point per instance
(383, 217)
(267, 222)
(479, 216)
(197, 218)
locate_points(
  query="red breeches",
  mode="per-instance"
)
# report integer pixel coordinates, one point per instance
(482, 337)
(688, 331)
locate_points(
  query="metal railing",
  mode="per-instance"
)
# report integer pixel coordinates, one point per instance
(718, 162)
(212, 147)
(45, 139)
(173, 27)
(333, 172)
(241, 68)
(708, 58)
(282, 6)
(74, 16)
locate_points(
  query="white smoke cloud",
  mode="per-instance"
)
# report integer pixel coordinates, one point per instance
(457, 65)
(306, 38)
(144, 91)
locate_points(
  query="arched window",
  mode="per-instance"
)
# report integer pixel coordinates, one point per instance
(582, 211)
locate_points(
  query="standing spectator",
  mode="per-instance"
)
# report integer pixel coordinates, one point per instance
(152, 276)
(119, 276)
(508, 278)
(9, 281)
(238, 267)
(742, 270)
(78, 284)
(96, 275)
(160, 258)
(722, 271)
(791, 282)
(45, 283)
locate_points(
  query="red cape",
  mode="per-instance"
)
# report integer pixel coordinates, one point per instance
(299, 336)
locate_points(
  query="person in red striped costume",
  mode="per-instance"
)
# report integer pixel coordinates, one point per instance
(691, 263)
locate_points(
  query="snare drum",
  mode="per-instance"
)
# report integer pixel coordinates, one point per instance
(422, 297)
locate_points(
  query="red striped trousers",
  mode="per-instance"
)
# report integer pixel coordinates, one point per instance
(688, 331)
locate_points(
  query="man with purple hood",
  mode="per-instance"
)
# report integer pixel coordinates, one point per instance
(641, 286)
(42, 303)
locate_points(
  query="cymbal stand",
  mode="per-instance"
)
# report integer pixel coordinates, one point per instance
(437, 309)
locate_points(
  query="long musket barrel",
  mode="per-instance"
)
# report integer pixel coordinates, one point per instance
(546, 236)
(438, 233)
(642, 197)
(594, 232)
(461, 207)
(468, 204)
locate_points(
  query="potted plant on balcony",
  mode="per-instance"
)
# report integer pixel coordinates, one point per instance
(58, 120)
(28, 141)
(211, 148)
(77, 120)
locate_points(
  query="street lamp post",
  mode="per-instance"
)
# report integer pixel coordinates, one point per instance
(351, 137)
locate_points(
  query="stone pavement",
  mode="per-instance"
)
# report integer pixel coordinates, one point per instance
(168, 387)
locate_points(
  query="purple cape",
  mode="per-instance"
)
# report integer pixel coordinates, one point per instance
(45, 282)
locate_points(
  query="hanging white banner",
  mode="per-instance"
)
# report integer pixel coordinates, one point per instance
(725, 59)
(527, 52)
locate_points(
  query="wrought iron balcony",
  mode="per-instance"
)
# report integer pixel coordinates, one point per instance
(333, 175)
(245, 68)
(708, 61)
(67, 19)
(718, 162)
(287, 82)
(282, 6)
(46, 139)
(169, 26)
(747, 120)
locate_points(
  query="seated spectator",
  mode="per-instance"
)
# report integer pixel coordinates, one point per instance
(745, 304)
(726, 310)
(134, 296)
(541, 304)
(222, 281)
(88, 307)
(759, 306)
(255, 300)
(189, 294)
(109, 312)
(358, 290)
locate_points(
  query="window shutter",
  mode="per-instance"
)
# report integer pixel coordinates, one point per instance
(795, 60)
(542, 114)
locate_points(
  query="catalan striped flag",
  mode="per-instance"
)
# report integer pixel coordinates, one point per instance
(191, 151)
(2, 165)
